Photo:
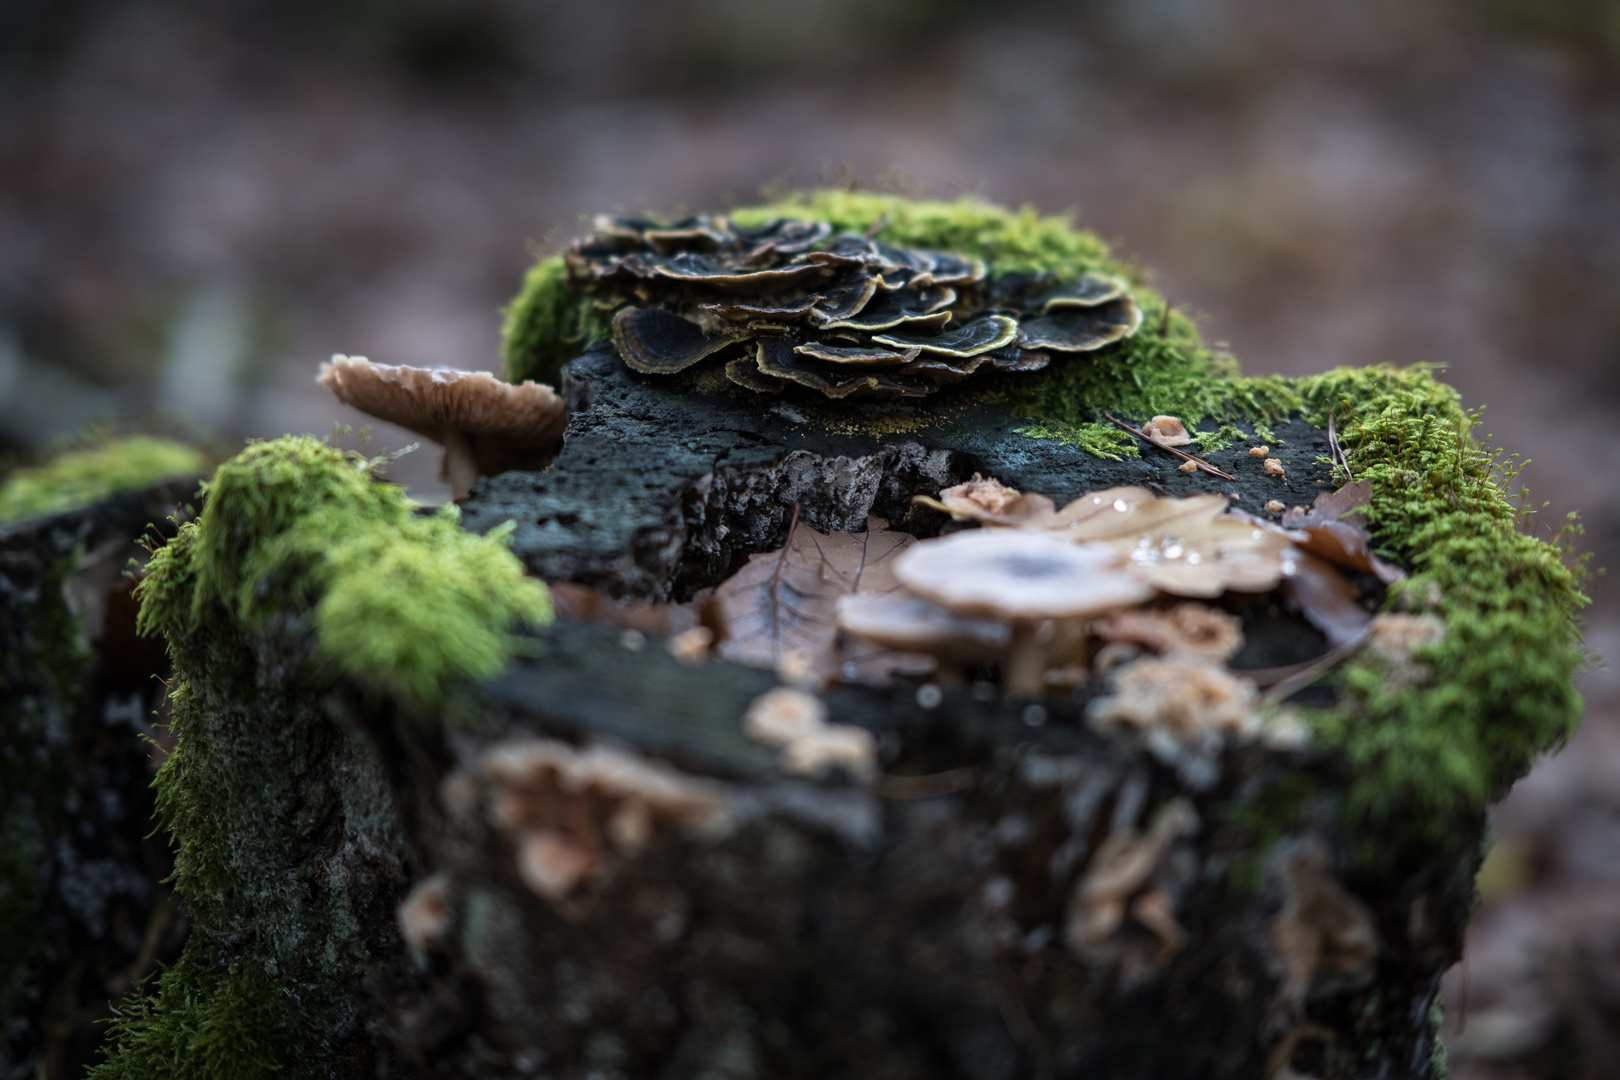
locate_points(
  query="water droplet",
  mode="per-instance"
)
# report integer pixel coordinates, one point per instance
(1289, 568)
(1255, 535)
(1121, 505)
(1174, 551)
(1097, 499)
(929, 696)
(1034, 715)
(1194, 559)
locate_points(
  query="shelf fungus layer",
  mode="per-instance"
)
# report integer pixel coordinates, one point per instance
(846, 315)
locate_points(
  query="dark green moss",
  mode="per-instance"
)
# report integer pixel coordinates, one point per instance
(302, 573)
(210, 1025)
(548, 324)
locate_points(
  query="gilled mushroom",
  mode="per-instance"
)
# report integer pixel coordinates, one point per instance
(1024, 578)
(486, 426)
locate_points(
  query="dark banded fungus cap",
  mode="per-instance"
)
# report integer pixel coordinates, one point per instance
(850, 315)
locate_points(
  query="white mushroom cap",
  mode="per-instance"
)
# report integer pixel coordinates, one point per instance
(495, 425)
(898, 621)
(1019, 574)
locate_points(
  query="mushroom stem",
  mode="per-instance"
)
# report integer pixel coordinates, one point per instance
(1024, 670)
(460, 467)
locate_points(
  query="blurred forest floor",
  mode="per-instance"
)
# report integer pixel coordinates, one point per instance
(199, 202)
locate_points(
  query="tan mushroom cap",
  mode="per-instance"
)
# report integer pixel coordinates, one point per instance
(1020, 575)
(1170, 430)
(504, 426)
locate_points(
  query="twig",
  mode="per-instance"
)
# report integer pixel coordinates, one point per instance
(1309, 671)
(927, 785)
(877, 226)
(1338, 451)
(1162, 445)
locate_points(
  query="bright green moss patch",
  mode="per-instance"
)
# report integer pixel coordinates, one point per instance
(400, 602)
(81, 477)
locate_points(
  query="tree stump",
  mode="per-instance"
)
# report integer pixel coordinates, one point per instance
(415, 844)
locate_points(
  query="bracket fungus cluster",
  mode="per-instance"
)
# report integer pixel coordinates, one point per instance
(846, 315)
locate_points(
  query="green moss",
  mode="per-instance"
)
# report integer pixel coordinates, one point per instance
(303, 576)
(548, 324)
(1008, 240)
(84, 476)
(400, 602)
(207, 1025)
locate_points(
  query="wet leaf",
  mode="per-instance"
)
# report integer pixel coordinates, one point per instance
(780, 608)
(1345, 543)
(1327, 599)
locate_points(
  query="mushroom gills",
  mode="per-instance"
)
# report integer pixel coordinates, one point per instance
(659, 342)
(969, 339)
(1082, 330)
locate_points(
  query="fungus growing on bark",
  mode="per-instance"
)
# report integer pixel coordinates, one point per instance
(796, 722)
(1323, 936)
(1123, 866)
(1183, 708)
(1259, 451)
(486, 426)
(424, 915)
(847, 316)
(1273, 467)
(568, 811)
(1024, 578)
(1188, 628)
(1170, 431)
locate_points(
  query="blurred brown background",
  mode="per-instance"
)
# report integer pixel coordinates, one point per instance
(199, 201)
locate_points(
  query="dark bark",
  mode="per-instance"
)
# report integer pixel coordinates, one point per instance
(83, 899)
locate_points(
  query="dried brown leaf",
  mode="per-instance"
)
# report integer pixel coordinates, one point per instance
(1327, 599)
(1346, 543)
(783, 602)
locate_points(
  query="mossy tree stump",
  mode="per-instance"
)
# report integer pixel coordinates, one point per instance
(358, 727)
